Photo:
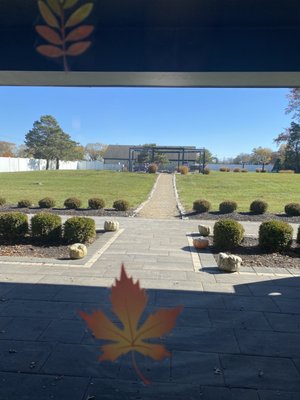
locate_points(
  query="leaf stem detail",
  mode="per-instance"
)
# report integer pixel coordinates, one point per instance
(138, 371)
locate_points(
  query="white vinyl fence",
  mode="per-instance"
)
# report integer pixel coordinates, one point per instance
(8, 164)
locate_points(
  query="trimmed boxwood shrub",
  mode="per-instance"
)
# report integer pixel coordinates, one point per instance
(47, 202)
(206, 171)
(184, 170)
(24, 203)
(275, 236)
(13, 225)
(46, 227)
(227, 206)
(201, 206)
(72, 203)
(292, 209)
(258, 206)
(96, 203)
(2, 201)
(244, 170)
(228, 234)
(121, 205)
(152, 169)
(236, 169)
(79, 230)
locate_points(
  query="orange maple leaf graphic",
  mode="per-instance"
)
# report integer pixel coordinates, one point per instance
(128, 303)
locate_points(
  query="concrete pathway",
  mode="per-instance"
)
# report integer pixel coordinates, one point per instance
(238, 336)
(162, 204)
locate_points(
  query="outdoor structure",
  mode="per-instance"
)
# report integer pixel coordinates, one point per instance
(207, 43)
(127, 155)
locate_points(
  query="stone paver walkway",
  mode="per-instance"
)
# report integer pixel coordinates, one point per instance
(163, 201)
(238, 336)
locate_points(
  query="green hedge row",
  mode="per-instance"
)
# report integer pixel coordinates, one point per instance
(47, 227)
(256, 207)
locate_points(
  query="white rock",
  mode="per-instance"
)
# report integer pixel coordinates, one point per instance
(77, 250)
(204, 230)
(229, 263)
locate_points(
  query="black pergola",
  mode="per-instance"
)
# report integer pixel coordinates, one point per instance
(181, 152)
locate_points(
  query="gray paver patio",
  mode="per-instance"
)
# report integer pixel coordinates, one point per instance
(237, 337)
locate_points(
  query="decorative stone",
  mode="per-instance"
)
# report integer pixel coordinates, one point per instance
(229, 263)
(204, 230)
(77, 250)
(111, 225)
(200, 243)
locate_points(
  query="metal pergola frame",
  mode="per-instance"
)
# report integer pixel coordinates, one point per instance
(180, 150)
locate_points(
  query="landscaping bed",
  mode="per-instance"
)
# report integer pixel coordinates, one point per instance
(80, 212)
(241, 216)
(27, 247)
(253, 256)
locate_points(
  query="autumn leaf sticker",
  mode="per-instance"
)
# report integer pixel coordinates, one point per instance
(63, 32)
(128, 304)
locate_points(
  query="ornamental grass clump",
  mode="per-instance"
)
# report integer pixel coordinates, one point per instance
(121, 205)
(258, 206)
(201, 206)
(79, 230)
(292, 209)
(152, 169)
(47, 202)
(96, 203)
(13, 225)
(227, 206)
(184, 170)
(275, 236)
(72, 203)
(228, 234)
(46, 227)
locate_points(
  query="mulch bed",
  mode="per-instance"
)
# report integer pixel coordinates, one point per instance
(241, 216)
(80, 212)
(253, 256)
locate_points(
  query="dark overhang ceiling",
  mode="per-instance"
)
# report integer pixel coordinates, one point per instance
(163, 37)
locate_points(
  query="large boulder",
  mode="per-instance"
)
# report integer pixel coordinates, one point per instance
(229, 263)
(204, 230)
(77, 250)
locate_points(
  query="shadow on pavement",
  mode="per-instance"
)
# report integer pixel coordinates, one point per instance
(243, 345)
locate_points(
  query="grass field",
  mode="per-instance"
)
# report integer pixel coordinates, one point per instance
(276, 189)
(60, 185)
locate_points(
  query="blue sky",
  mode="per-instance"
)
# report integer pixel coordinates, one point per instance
(225, 121)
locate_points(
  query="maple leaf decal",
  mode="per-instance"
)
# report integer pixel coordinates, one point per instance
(128, 304)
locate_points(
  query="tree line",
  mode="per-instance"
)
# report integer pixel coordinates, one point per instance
(47, 140)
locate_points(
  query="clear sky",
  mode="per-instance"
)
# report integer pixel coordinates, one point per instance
(225, 121)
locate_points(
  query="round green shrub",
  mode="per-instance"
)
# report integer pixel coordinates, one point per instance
(46, 227)
(72, 203)
(121, 205)
(24, 203)
(206, 171)
(2, 201)
(292, 209)
(13, 225)
(227, 206)
(275, 236)
(228, 234)
(244, 170)
(79, 230)
(96, 203)
(47, 202)
(298, 235)
(236, 169)
(201, 206)
(258, 206)
(152, 169)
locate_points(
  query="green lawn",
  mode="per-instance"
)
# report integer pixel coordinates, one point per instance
(276, 189)
(60, 185)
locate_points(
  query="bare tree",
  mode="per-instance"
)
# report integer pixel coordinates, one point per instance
(95, 151)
